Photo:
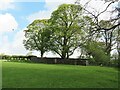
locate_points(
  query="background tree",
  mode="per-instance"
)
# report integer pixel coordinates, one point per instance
(105, 29)
(37, 36)
(96, 53)
(88, 27)
(105, 37)
(65, 23)
(108, 37)
(118, 33)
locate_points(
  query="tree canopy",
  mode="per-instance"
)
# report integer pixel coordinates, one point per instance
(38, 36)
(69, 28)
(65, 22)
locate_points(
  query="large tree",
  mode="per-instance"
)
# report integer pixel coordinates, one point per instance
(105, 29)
(66, 24)
(37, 36)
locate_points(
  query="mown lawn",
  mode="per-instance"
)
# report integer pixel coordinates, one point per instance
(29, 75)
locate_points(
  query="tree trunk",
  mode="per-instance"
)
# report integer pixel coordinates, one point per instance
(63, 54)
(67, 55)
(64, 51)
(42, 54)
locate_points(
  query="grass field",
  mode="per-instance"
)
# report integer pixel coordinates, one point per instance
(29, 75)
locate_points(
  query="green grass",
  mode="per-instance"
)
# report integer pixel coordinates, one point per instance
(29, 75)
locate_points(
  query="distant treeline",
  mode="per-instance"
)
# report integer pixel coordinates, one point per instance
(15, 57)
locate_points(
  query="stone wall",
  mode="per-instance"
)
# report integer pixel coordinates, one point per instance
(70, 61)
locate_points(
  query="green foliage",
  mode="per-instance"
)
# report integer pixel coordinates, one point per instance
(95, 49)
(38, 36)
(105, 24)
(69, 29)
(99, 44)
(65, 23)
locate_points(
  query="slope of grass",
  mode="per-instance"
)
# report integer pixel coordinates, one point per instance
(29, 75)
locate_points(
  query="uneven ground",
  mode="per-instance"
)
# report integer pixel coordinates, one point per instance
(30, 75)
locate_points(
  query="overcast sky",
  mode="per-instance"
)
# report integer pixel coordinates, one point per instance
(15, 15)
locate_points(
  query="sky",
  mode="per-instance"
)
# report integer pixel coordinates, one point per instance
(16, 15)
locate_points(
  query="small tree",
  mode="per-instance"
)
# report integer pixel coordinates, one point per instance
(95, 49)
(37, 36)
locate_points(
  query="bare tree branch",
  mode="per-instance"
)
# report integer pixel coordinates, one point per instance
(105, 8)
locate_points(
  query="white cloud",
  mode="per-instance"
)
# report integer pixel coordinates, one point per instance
(17, 44)
(53, 4)
(50, 5)
(65, 1)
(7, 23)
(41, 0)
(39, 15)
(94, 6)
(4, 44)
(15, 47)
(28, 1)
(6, 4)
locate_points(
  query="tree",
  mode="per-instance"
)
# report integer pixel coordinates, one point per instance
(95, 49)
(95, 17)
(118, 34)
(37, 36)
(105, 29)
(89, 37)
(65, 22)
(108, 37)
